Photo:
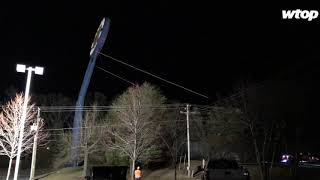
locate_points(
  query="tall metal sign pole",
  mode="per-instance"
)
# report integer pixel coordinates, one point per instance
(99, 39)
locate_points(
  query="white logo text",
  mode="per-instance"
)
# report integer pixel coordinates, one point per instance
(300, 14)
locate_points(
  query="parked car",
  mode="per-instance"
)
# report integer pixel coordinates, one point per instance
(224, 169)
(107, 173)
(286, 159)
(303, 158)
(308, 158)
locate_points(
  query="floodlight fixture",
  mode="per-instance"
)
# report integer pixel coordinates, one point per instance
(38, 70)
(21, 68)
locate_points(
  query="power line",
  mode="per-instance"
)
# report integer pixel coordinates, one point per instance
(115, 75)
(167, 81)
(240, 93)
(104, 126)
(115, 106)
(92, 110)
(118, 108)
(103, 108)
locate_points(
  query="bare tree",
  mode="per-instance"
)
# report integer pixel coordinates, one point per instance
(134, 129)
(173, 136)
(263, 124)
(90, 138)
(10, 120)
(55, 117)
(215, 132)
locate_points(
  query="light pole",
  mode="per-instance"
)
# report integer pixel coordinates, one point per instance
(34, 127)
(39, 71)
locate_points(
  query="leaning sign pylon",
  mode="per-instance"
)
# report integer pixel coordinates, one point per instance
(97, 44)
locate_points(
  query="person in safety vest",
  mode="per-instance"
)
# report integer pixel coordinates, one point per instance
(137, 174)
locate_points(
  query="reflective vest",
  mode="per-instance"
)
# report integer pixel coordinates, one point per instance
(137, 173)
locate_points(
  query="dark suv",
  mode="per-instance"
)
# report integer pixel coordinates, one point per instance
(223, 169)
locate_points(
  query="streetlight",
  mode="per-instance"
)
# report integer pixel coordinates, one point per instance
(22, 68)
(34, 127)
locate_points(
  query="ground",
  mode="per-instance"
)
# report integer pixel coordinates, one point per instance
(63, 174)
(75, 174)
(167, 173)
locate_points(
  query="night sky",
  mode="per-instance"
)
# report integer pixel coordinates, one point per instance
(206, 47)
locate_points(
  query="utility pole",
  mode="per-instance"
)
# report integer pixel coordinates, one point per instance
(22, 68)
(188, 136)
(34, 149)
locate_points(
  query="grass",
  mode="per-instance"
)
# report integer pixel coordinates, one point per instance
(63, 174)
(75, 174)
(278, 173)
(164, 174)
(161, 174)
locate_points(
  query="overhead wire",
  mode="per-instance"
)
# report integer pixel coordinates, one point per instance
(115, 75)
(104, 126)
(153, 75)
(239, 94)
(102, 108)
